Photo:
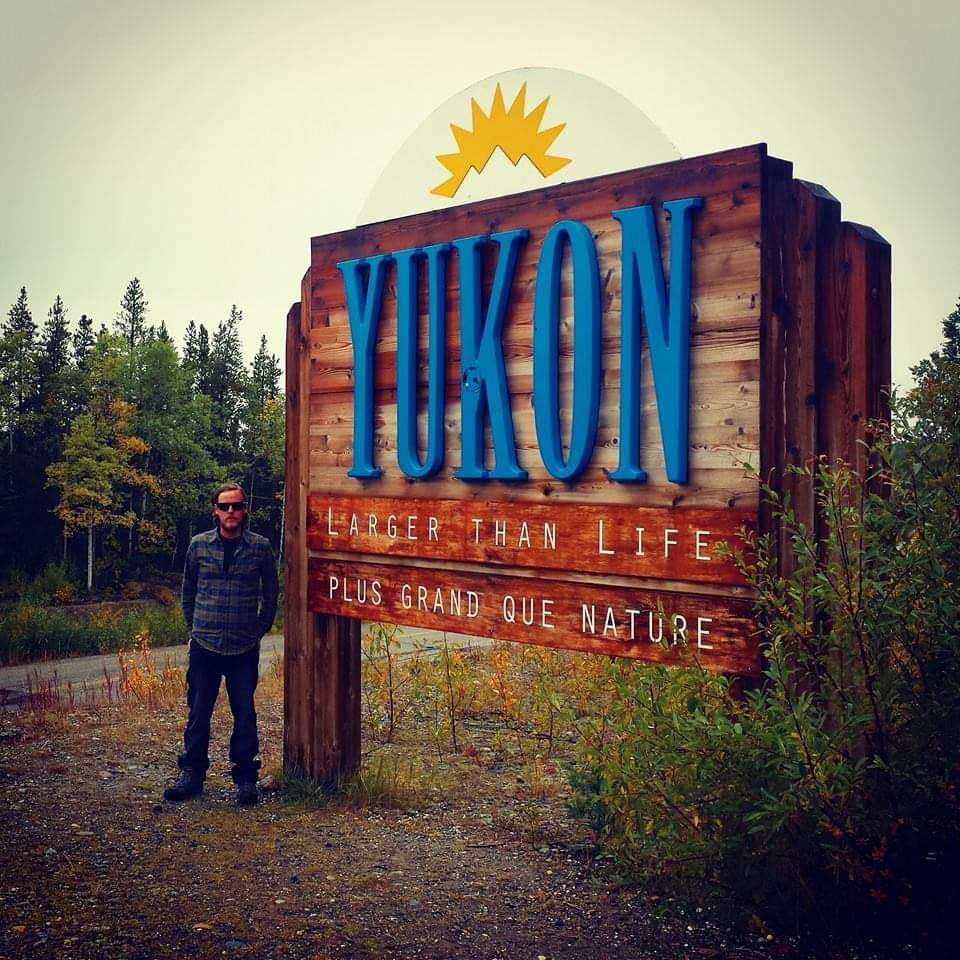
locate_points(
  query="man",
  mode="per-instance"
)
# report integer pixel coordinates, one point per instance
(230, 594)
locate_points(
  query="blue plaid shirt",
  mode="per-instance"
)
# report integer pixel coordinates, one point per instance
(229, 612)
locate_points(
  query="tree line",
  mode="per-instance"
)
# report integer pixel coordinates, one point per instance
(112, 439)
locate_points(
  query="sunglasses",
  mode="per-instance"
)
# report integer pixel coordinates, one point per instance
(226, 507)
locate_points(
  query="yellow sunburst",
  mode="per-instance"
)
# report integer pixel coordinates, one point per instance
(518, 135)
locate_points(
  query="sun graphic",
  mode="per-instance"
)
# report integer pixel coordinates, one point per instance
(518, 135)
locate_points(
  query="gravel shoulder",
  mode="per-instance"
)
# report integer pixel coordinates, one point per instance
(479, 859)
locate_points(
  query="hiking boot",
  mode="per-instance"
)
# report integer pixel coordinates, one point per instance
(247, 795)
(189, 785)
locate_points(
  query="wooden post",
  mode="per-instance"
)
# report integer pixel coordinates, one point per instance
(825, 343)
(321, 730)
(854, 356)
(336, 698)
(296, 694)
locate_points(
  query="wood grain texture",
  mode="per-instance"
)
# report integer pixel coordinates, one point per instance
(295, 676)
(682, 545)
(798, 252)
(825, 341)
(725, 318)
(335, 697)
(790, 360)
(854, 361)
(657, 627)
(321, 730)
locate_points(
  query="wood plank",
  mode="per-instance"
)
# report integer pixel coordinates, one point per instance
(718, 632)
(733, 487)
(532, 573)
(723, 308)
(717, 428)
(854, 363)
(719, 260)
(297, 726)
(733, 381)
(321, 736)
(629, 541)
(332, 365)
(773, 333)
(808, 215)
(335, 692)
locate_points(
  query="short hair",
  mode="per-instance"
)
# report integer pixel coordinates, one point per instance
(223, 488)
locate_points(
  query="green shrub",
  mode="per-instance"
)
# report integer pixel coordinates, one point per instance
(30, 631)
(13, 585)
(828, 801)
(163, 623)
(56, 584)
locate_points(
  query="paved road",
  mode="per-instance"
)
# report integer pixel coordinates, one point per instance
(16, 681)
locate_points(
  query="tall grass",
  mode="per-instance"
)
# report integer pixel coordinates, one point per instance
(31, 631)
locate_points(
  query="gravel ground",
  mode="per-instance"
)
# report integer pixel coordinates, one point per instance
(474, 858)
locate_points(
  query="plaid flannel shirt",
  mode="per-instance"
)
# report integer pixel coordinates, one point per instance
(229, 612)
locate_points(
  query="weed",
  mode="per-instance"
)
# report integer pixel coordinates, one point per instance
(144, 681)
(541, 778)
(301, 791)
(387, 781)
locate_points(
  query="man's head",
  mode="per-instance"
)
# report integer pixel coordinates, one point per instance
(230, 509)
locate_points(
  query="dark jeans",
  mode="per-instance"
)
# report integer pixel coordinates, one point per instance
(241, 672)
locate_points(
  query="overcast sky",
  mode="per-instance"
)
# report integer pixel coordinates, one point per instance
(199, 145)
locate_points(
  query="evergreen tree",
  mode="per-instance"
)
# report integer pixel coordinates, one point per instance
(202, 381)
(264, 460)
(111, 432)
(265, 374)
(54, 383)
(174, 424)
(228, 386)
(132, 319)
(18, 369)
(24, 519)
(191, 346)
(83, 340)
(930, 369)
(55, 340)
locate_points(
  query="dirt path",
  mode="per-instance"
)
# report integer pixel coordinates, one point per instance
(480, 861)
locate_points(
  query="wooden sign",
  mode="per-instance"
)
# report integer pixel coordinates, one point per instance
(541, 417)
